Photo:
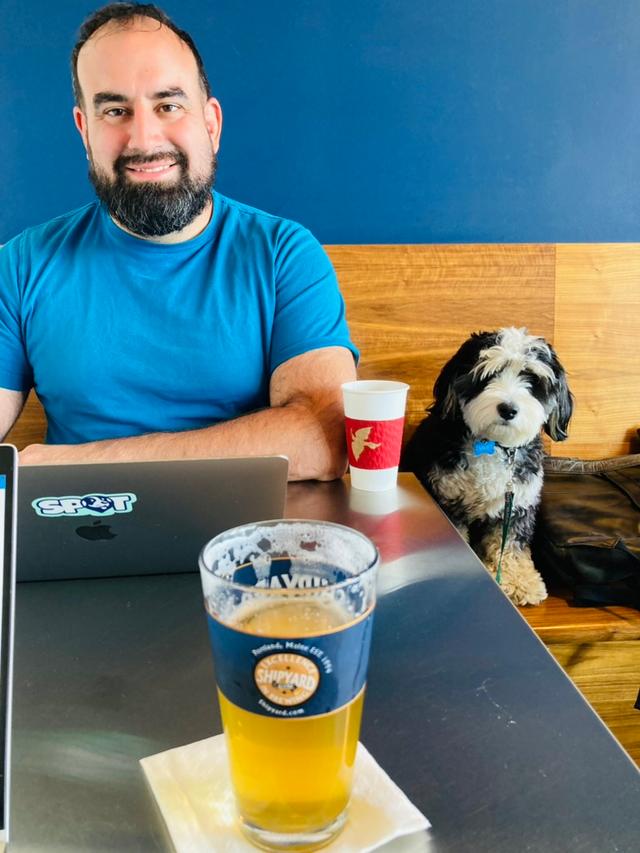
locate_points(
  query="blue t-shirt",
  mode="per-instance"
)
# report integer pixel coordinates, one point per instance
(120, 336)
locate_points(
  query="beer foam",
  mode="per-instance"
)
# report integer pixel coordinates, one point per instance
(262, 566)
(339, 546)
(304, 543)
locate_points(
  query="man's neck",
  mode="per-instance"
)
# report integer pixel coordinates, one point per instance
(190, 231)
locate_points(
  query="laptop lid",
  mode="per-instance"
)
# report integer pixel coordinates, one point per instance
(8, 472)
(137, 518)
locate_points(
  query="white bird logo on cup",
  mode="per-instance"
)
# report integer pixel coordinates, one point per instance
(359, 441)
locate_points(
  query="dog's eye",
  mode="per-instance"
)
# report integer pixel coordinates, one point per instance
(467, 386)
(535, 382)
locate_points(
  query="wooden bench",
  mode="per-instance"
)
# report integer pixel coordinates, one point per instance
(410, 307)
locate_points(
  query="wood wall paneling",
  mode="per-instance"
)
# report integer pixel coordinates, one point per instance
(31, 426)
(410, 307)
(597, 333)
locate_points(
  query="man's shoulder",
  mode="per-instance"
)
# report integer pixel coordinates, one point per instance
(53, 230)
(261, 219)
(285, 240)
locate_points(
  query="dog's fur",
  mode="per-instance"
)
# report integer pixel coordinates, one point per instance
(503, 387)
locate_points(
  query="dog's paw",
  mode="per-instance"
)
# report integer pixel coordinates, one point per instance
(520, 580)
(524, 589)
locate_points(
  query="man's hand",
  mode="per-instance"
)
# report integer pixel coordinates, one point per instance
(305, 422)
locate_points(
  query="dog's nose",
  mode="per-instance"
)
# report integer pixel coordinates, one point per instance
(507, 411)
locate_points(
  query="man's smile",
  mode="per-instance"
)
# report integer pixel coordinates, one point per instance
(151, 170)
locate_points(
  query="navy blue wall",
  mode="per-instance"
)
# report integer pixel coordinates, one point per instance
(372, 120)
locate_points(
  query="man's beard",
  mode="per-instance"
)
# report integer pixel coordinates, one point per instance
(152, 209)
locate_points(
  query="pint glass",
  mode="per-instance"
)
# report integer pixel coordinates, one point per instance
(290, 612)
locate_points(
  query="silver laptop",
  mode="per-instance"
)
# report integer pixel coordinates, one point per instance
(8, 472)
(137, 518)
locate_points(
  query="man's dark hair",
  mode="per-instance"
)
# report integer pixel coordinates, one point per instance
(124, 13)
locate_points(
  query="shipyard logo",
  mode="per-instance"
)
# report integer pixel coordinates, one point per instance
(79, 505)
(286, 679)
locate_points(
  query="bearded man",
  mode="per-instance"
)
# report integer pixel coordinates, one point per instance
(165, 320)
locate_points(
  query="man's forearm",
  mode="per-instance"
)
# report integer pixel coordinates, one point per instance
(312, 439)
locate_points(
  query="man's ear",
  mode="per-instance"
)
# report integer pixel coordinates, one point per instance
(213, 122)
(80, 121)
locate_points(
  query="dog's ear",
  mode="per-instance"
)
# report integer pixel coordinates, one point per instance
(558, 422)
(445, 402)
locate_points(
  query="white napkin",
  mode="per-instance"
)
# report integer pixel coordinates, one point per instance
(191, 786)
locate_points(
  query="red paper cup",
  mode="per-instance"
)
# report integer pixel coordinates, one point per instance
(374, 419)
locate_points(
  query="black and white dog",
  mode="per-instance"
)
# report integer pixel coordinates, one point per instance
(481, 443)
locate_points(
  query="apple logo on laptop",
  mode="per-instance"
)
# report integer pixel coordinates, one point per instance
(96, 531)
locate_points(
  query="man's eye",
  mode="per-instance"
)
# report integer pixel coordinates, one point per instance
(169, 108)
(115, 112)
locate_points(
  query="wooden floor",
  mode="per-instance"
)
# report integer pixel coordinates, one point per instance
(599, 649)
(608, 676)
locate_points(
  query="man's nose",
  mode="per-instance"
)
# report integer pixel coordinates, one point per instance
(145, 130)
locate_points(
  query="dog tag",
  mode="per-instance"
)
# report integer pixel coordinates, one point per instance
(482, 448)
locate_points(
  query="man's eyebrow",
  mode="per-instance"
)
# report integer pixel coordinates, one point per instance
(173, 92)
(108, 98)
(115, 98)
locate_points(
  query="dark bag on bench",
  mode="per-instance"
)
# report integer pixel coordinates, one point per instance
(587, 536)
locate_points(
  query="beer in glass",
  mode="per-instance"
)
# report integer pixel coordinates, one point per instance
(290, 611)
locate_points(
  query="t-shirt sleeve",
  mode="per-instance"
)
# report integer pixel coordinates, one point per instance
(15, 372)
(309, 311)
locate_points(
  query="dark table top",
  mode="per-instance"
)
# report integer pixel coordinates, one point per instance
(465, 708)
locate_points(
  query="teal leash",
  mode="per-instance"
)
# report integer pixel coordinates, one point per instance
(508, 508)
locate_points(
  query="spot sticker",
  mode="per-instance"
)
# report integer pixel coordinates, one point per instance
(75, 506)
(286, 679)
